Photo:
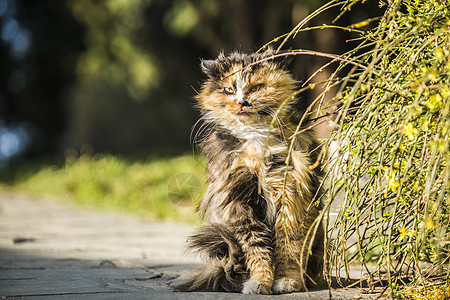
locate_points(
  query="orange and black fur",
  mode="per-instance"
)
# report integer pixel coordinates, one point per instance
(263, 196)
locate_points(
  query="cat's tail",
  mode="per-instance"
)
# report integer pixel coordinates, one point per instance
(225, 269)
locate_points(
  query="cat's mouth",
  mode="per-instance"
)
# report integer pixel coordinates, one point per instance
(243, 109)
(243, 112)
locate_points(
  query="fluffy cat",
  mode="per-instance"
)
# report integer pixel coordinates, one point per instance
(263, 197)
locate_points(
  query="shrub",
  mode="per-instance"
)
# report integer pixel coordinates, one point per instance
(389, 155)
(391, 161)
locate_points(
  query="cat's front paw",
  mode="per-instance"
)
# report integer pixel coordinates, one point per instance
(253, 286)
(284, 286)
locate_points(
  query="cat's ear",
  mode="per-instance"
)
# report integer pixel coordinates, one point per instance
(283, 58)
(268, 51)
(210, 67)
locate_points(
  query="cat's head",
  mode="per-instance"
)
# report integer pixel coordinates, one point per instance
(246, 89)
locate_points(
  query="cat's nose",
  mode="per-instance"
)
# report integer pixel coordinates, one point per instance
(244, 103)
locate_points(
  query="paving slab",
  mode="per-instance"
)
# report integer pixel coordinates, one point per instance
(60, 281)
(53, 250)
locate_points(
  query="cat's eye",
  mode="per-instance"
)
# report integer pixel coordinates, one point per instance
(256, 88)
(228, 91)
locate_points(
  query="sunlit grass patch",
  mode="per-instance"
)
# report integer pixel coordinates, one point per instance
(148, 189)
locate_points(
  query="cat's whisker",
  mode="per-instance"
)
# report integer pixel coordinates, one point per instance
(195, 90)
(282, 123)
(207, 131)
(198, 134)
(279, 122)
(191, 135)
(198, 130)
(203, 132)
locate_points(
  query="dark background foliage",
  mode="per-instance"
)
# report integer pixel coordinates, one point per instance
(120, 76)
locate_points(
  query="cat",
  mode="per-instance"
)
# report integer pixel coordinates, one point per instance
(263, 195)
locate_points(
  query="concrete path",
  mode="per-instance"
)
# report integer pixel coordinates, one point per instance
(50, 250)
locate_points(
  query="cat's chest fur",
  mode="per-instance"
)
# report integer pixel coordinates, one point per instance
(255, 145)
(246, 147)
(235, 156)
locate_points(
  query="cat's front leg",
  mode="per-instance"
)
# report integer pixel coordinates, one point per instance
(256, 239)
(295, 270)
(292, 243)
(259, 264)
(245, 212)
(254, 286)
(288, 276)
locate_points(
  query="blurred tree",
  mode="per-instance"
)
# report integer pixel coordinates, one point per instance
(121, 75)
(39, 45)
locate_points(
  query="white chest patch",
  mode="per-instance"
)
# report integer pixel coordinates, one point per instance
(257, 137)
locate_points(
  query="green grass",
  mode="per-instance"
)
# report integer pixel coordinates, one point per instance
(155, 189)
